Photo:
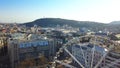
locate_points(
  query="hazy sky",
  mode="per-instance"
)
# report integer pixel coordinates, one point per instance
(21, 11)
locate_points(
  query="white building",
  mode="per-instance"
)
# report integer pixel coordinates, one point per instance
(87, 54)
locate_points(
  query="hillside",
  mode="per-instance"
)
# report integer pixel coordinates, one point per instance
(115, 23)
(52, 22)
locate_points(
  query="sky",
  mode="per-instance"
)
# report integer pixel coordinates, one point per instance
(21, 11)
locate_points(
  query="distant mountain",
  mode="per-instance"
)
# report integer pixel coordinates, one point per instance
(95, 26)
(53, 22)
(115, 22)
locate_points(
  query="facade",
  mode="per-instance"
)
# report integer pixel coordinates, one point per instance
(112, 59)
(84, 54)
(20, 50)
(4, 55)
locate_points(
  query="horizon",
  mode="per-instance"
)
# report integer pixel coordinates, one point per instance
(49, 18)
(22, 11)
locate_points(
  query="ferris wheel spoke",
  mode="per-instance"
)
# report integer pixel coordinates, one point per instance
(103, 56)
(113, 63)
(74, 58)
(110, 62)
(87, 64)
(93, 51)
(83, 56)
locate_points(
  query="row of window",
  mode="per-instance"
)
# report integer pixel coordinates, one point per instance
(34, 44)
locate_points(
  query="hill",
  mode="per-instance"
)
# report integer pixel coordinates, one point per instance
(53, 22)
(115, 23)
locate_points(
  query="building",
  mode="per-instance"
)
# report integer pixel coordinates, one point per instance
(4, 55)
(87, 54)
(22, 49)
(112, 60)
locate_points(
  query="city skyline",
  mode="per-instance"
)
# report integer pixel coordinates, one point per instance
(22, 11)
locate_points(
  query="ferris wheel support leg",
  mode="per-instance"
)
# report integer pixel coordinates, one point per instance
(92, 56)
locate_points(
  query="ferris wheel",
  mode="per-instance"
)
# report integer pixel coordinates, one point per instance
(92, 52)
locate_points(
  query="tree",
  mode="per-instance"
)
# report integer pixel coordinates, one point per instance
(27, 63)
(42, 60)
